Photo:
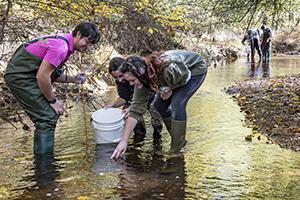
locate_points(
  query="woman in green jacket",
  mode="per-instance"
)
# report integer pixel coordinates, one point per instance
(175, 76)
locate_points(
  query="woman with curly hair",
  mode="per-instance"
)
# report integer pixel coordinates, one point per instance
(175, 76)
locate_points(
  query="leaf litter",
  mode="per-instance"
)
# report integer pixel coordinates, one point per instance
(271, 107)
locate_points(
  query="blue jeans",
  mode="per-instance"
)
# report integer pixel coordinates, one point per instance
(175, 106)
(266, 51)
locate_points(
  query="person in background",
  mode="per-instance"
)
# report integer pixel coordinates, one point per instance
(253, 38)
(32, 70)
(247, 50)
(175, 76)
(266, 42)
(125, 92)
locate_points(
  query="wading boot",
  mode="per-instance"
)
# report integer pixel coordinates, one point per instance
(139, 132)
(157, 132)
(167, 122)
(43, 143)
(157, 139)
(178, 133)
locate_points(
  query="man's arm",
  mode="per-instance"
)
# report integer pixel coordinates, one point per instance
(79, 78)
(117, 103)
(244, 39)
(43, 77)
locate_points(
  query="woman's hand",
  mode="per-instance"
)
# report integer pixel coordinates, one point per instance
(125, 112)
(122, 146)
(166, 95)
(120, 150)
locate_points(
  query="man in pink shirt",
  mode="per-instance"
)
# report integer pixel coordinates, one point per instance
(34, 67)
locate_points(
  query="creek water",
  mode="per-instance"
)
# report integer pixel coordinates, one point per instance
(218, 163)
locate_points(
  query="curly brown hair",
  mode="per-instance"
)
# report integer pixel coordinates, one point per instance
(148, 70)
(155, 68)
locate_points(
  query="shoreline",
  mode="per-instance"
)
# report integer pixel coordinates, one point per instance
(272, 108)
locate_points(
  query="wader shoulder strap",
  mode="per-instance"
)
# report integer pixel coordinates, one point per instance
(47, 37)
(58, 71)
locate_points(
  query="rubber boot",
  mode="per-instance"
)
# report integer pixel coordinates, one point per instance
(139, 132)
(43, 143)
(167, 122)
(156, 131)
(178, 133)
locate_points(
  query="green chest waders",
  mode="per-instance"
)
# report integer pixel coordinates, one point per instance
(20, 77)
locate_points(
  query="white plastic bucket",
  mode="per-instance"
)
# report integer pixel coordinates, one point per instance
(108, 125)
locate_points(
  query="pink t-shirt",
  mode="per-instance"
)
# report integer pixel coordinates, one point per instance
(53, 50)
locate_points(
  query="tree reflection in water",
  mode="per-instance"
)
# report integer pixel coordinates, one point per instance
(44, 179)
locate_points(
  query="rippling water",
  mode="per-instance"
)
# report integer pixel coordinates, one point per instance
(217, 164)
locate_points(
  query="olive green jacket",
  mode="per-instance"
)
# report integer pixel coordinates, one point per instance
(183, 65)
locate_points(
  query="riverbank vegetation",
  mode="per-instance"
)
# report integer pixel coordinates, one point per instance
(213, 28)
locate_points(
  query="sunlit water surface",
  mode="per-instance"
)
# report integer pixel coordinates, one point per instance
(217, 163)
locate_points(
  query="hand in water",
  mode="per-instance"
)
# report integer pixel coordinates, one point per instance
(120, 150)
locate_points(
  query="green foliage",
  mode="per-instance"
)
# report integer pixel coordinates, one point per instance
(277, 13)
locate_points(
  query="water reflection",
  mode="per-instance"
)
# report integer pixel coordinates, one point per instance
(152, 176)
(103, 163)
(259, 70)
(43, 180)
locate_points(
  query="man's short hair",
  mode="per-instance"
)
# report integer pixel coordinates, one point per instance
(89, 30)
(115, 64)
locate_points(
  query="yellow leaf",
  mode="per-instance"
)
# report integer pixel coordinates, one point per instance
(83, 198)
(296, 130)
(138, 28)
(150, 30)
(243, 98)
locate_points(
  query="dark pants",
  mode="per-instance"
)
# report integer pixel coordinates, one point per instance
(156, 122)
(175, 106)
(266, 47)
(255, 44)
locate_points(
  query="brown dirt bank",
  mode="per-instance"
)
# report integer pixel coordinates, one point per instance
(287, 43)
(272, 107)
